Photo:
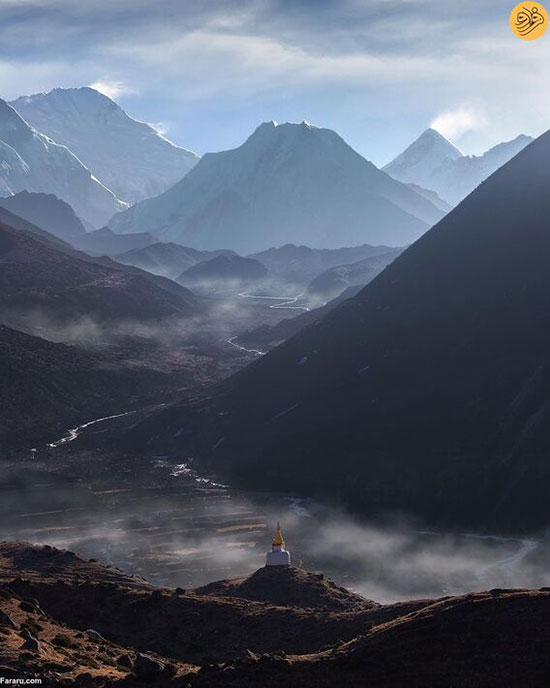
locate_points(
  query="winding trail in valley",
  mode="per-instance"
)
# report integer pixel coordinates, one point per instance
(286, 301)
(257, 352)
(73, 433)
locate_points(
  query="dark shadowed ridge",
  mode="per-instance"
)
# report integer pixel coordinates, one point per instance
(481, 639)
(49, 289)
(46, 387)
(224, 267)
(41, 273)
(46, 211)
(428, 392)
(104, 242)
(12, 220)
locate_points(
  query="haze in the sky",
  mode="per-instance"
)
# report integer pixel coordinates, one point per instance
(207, 73)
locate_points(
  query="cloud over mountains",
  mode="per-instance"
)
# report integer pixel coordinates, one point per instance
(255, 60)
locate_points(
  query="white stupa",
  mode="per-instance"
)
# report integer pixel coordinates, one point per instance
(278, 555)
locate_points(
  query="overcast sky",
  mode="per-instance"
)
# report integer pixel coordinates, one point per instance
(209, 71)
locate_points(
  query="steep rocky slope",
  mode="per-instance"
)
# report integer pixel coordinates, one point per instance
(46, 387)
(479, 640)
(44, 281)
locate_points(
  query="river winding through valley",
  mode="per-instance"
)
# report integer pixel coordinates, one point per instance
(283, 303)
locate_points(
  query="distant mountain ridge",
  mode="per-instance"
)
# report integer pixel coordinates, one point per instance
(104, 242)
(434, 163)
(31, 161)
(287, 183)
(169, 260)
(334, 281)
(224, 268)
(298, 264)
(128, 156)
(302, 263)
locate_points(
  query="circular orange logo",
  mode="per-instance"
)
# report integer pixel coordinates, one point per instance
(529, 21)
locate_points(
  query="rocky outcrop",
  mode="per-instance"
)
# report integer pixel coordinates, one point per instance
(289, 587)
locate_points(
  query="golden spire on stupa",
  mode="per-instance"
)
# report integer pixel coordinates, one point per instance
(278, 556)
(278, 537)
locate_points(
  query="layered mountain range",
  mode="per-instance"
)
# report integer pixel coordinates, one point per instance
(290, 263)
(371, 379)
(286, 183)
(299, 263)
(421, 397)
(116, 318)
(46, 284)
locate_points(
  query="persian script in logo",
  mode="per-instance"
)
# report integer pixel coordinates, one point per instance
(529, 21)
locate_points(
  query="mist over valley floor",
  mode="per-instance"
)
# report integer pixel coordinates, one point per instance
(166, 522)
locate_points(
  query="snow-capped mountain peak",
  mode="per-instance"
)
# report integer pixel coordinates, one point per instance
(435, 163)
(128, 156)
(286, 182)
(32, 161)
(439, 139)
(417, 162)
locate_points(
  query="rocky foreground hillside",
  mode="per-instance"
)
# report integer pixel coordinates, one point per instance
(76, 622)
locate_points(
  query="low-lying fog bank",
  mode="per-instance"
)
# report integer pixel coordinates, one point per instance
(175, 528)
